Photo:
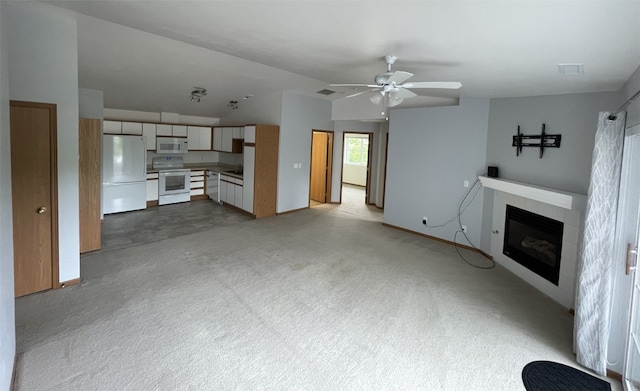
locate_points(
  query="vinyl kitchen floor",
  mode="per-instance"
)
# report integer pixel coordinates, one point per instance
(122, 230)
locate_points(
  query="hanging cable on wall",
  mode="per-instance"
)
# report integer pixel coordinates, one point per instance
(458, 217)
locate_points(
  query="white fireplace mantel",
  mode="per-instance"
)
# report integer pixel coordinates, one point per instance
(546, 195)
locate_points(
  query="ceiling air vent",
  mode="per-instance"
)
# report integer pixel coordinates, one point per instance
(571, 69)
(326, 92)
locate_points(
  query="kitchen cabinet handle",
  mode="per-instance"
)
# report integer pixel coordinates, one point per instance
(42, 209)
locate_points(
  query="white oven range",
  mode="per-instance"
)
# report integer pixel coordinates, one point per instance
(173, 179)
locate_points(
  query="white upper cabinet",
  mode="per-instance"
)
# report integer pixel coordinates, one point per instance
(217, 139)
(163, 130)
(250, 134)
(179, 131)
(227, 139)
(199, 138)
(149, 133)
(134, 128)
(112, 127)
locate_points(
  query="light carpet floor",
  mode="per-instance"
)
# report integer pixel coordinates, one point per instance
(317, 300)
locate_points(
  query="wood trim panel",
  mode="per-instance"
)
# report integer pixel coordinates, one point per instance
(249, 144)
(55, 270)
(440, 240)
(330, 135)
(65, 284)
(89, 140)
(199, 197)
(614, 375)
(265, 189)
(152, 203)
(369, 158)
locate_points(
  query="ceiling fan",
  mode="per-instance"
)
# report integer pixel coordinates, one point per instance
(392, 89)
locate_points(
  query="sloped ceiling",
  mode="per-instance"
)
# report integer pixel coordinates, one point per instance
(147, 55)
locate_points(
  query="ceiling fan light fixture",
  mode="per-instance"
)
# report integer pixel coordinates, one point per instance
(376, 99)
(395, 100)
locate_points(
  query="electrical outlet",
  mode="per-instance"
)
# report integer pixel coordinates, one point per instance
(466, 184)
(424, 220)
(464, 228)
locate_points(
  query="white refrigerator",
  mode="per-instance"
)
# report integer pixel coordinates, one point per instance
(124, 173)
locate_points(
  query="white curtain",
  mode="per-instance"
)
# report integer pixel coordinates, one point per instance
(593, 292)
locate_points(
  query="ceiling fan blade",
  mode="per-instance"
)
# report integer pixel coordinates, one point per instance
(354, 85)
(405, 94)
(398, 77)
(450, 85)
(360, 93)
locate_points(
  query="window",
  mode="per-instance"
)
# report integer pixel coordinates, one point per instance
(356, 150)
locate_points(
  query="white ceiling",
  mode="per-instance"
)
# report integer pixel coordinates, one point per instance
(236, 48)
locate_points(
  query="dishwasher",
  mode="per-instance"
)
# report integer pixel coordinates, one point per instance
(213, 185)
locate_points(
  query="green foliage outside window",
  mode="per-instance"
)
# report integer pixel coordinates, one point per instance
(356, 151)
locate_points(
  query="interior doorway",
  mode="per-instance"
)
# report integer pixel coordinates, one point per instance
(35, 194)
(321, 167)
(355, 185)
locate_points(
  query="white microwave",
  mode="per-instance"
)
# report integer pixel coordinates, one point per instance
(171, 145)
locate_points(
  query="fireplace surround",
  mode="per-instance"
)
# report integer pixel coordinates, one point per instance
(564, 207)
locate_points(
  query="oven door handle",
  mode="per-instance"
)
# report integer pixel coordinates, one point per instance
(173, 174)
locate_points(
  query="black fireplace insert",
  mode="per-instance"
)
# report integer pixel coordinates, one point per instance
(534, 241)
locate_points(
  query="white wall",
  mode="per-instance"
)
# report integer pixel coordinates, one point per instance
(567, 168)
(7, 302)
(43, 66)
(432, 151)
(354, 174)
(573, 116)
(300, 115)
(91, 103)
(630, 88)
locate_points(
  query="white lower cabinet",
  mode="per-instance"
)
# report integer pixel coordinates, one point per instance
(237, 196)
(231, 190)
(231, 193)
(223, 190)
(152, 186)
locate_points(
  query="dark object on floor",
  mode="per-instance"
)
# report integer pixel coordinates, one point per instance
(553, 376)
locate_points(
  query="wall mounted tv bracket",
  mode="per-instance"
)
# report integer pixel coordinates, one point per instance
(541, 141)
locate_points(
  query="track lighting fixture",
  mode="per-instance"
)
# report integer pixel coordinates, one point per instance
(197, 93)
(233, 105)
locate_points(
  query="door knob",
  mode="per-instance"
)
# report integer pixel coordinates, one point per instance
(42, 209)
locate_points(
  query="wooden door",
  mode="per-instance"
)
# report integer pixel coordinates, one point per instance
(319, 159)
(89, 171)
(34, 192)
